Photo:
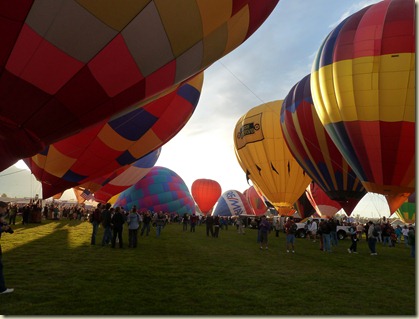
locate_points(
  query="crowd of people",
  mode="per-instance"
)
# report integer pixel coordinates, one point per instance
(380, 232)
(140, 223)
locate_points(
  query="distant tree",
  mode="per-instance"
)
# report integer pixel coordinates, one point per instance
(4, 195)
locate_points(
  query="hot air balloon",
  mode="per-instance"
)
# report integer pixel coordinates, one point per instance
(121, 179)
(407, 211)
(363, 88)
(324, 206)
(205, 193)
(112, 144)
(160, 190)
(315, 151)
(263, 154)
(304, 207)
(67, 65)
(256, 201)
(232, 203)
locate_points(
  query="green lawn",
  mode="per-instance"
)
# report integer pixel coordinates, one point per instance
(55, 271)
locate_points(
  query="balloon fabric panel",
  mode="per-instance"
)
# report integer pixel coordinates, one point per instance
(114, 183)
(79, 62)
(255, 201)
(312, 147)
(105, 147)
(304, 206)
(323, 205)
(363, 86)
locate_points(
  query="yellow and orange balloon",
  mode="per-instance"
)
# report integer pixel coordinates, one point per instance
(263, 154)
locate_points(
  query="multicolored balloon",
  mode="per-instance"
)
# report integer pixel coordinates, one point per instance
(407, 211)
(116, 182)
(67, 65)
(364, 91)
(232, 203)
(263, 154)
(160, 190)
(255, 200)
(110, 145)
(205, 193)
(315, 151)
(324, 206)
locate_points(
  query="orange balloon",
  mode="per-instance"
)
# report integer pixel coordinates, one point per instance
(206, 193)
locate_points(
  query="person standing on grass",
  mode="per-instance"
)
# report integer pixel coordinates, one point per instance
(193, 221)
(398, 232)
(354, 240)
(12, 214)
(106, 223)
(117, 223)
(405, 232)
(290, 229)
(3, 228)
(372, 238)
(411, 240)
(95, 219)
(146, 223)
(209, 222)
(359, 230)
(185, 221)
(216, 226)
(133, 220)
(386, 232)
(240, 225)
(264, 228)
(333, 223)
(312, 231)
(277, 227)
(160, 221)
(325, 229)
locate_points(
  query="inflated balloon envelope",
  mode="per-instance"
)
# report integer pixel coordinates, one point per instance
(363, 87)
(315, 151)
(160, 190)
(255, 200)
(67, 65)
(232, 203)
(265, 158)
(205, 192)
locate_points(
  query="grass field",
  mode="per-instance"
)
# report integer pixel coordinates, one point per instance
(55, 271)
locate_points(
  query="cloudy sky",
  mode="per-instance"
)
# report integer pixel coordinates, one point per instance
(264, 68)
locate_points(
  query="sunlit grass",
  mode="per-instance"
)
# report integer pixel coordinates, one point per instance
(55, 271)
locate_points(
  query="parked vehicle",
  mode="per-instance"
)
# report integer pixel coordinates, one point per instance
(302, 229)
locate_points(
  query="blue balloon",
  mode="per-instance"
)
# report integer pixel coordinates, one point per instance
(232, 203)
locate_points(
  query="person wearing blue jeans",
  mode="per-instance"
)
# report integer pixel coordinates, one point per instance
(325, 229)
(333, 232)
(326, 242)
